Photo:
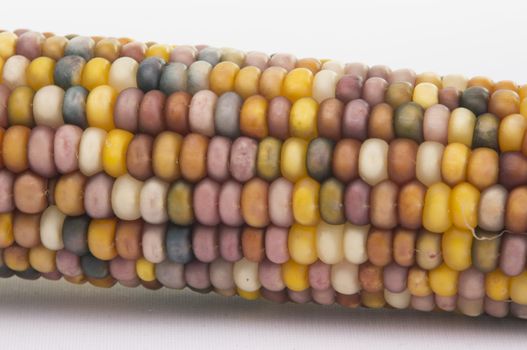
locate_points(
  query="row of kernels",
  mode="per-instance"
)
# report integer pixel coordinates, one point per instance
(400, 161)
(325, 237)
(460, 249)
(73, 70)
(154, 73)
(98, 72)
(469, 290)
(502, 102)
(207, 114)
(31, 45)
(109, 47)
(204, 113)
(299, 81)
(305, 244)
(107, 238)
(243, 160)
(488, 205)
(249, 276)
(465, 207)
(255, 202)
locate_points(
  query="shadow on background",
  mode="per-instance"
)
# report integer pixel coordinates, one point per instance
(164, 305)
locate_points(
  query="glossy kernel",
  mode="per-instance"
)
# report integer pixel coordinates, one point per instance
(297, 84)
(305, 201)
(303, 118)
(99, 107)
(436, 211)
(114, 152)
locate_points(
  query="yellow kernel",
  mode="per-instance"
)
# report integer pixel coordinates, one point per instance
(146, 270)
(461, 126)
(293, 159)
(95, 73)
(297, 84)
(247, 81)
(159, 50)
(271, 82)
(114, 152)
(99, 107)
(443, 280)
(518, 288)
(303, 118)
(248, 295)
(436, 213)
(101, 238)
(6, 230)
(464, 200)
(456, 246)
(295, 276)
(523, 104)
(222, 77)
(418, 283)
(42, 259)
(39, 73)
(511, 131)
(20, 106)
(454, 163)
(165, 155)
(426, 94)
(7, 44)
(305, 201)
(302, 244)
(497, 285)
(253, 117)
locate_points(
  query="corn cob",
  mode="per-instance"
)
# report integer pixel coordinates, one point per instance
(263, 176)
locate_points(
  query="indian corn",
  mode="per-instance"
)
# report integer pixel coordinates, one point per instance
(261, 176)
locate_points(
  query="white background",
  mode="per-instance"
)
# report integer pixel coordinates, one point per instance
(471, 37)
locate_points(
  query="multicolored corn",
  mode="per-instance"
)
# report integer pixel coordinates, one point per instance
(262, 176)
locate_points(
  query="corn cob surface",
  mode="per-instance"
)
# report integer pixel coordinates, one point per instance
(261, 176)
